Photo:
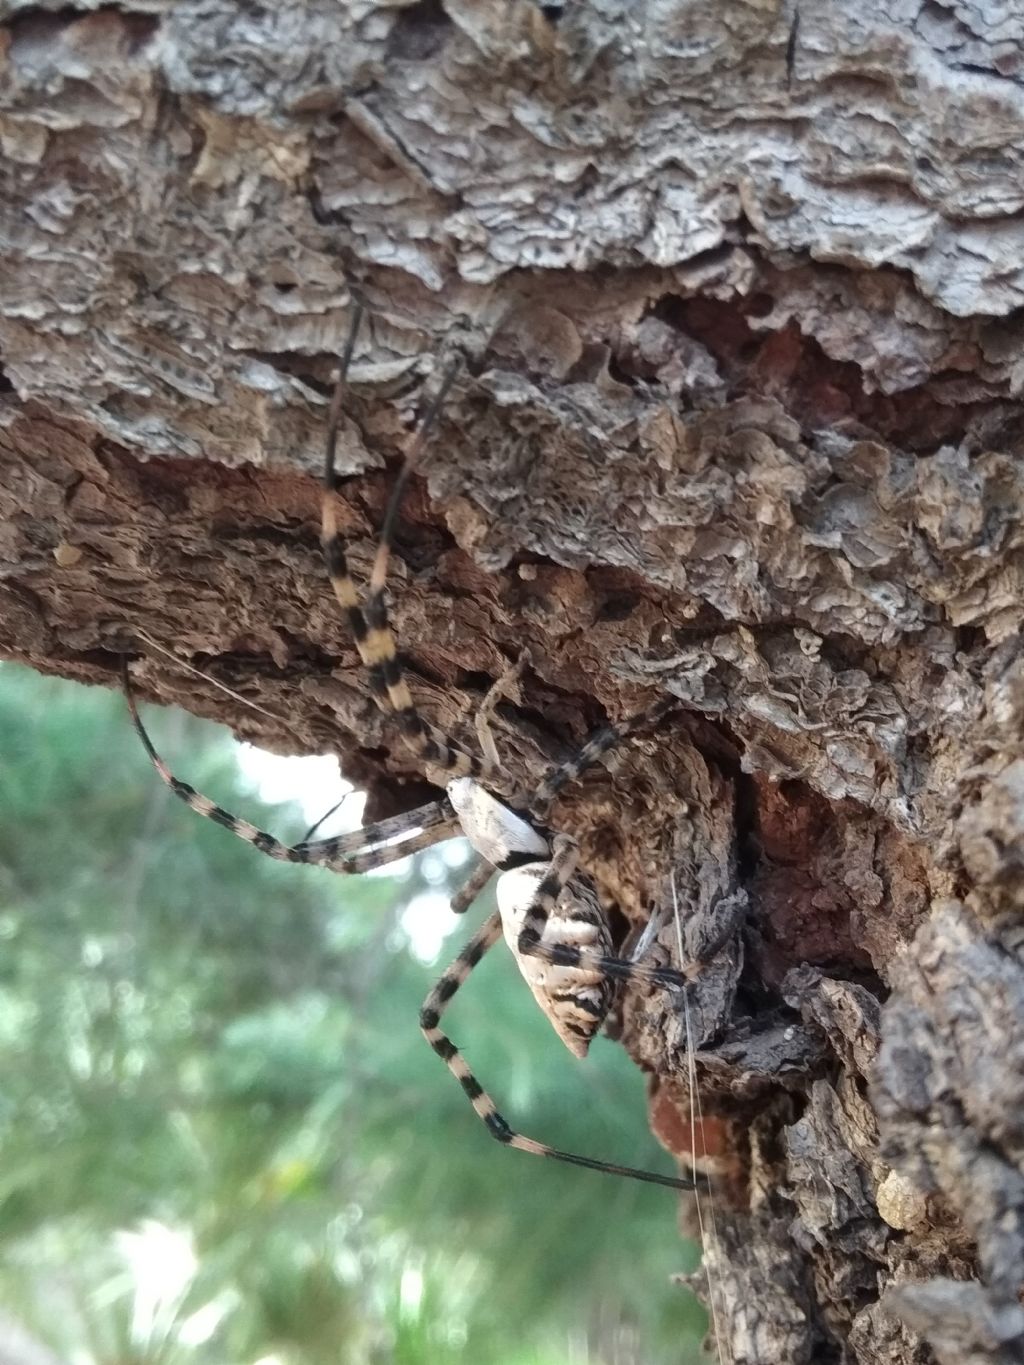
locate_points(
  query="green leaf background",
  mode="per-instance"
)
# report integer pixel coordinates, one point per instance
(223, 1140)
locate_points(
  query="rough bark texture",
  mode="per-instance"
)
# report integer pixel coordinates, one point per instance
(740, 288)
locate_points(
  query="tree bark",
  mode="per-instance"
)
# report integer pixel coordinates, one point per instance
(739, 286)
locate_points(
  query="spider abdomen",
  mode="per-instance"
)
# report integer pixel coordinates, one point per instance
(575, 999)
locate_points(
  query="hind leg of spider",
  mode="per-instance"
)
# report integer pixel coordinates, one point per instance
(369, 623)
(564, 857)
(361, 851)
(600, 742)
(430, 1017)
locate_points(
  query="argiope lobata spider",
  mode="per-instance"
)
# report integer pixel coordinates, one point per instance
(548, 910)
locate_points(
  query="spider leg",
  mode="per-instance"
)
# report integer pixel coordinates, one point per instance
(430, 1016)
(596, 745)
(501, 687)
(374, 849)
(471, 887)
(564, 857)
(368, 622)
(360, 851)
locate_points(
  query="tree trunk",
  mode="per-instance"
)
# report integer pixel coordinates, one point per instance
(741, 425)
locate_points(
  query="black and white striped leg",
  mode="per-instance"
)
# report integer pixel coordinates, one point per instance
(360, 851)
(371, 629)
(497, 1126)
(564, 857)
(599, 743)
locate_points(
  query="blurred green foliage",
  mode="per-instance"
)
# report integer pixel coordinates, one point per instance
(222, 1138)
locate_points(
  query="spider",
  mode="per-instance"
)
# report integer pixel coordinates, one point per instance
(548, 909)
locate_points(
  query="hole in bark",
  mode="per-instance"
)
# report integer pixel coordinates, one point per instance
(938, 14)
(475, 682)
(586, 181)
(816, 389)
(722, 328)
(617, 921)
(617, 608)
(760, 305)
(419, 33)
(617, 372)
(808, 885)
(315, 370)
(968, 638)
(530, 718)
(305, 657)
(140, 28)
(159, 483)
(37, 27)
(385, 795)
(748, 837)
(419, 547)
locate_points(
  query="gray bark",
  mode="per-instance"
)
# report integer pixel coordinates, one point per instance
(740, 288)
